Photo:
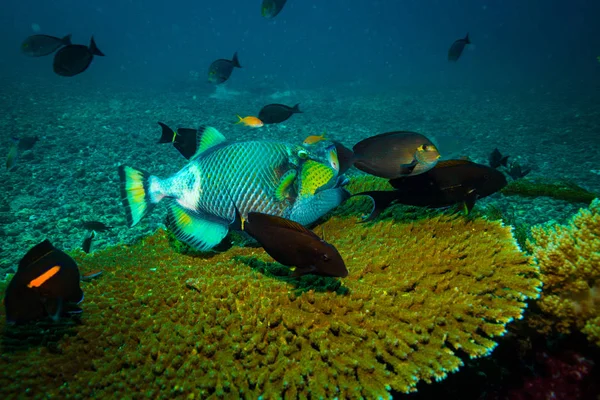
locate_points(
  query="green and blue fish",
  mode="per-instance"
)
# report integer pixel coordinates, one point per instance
(263, 176)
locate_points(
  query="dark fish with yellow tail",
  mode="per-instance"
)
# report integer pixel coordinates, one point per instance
(292, 245)
(73, 59)
(46, 284)
(183, 139)
(450, 182)
(395, 154)
(43, 45)
(457, 48)
(260, 176)
(276, 113)
(220, 70)
(270, 8)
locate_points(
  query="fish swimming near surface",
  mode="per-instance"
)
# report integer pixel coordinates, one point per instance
(457, 48)
(43, 45)
(270, 8)
(258, 175)
(220, 70)
(86, 246)
(395, 154)
(46, 284)
(183, 139)
(73, 59)
(250, 121)
(496, 159)
(276, 113)
(293, 245)
(96, 226)
(450, 182)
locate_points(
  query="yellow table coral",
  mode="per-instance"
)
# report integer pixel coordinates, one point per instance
(569, 260)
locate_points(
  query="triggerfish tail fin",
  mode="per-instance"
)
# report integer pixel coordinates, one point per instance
(167, 135)
(200, 231)
(296, 109)
(94, 49)
(66, 40)
(235, 61)
(137, 195)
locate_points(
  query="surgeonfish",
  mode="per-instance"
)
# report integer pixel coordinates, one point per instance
(43, 45)
(73, 59)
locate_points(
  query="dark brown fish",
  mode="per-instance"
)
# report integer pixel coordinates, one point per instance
(87, 242)
(43, 45)
(449, 182)
(220, 70)
(395, 154)
(457, 48)
(45, 285)
(96, 226)
(496, 159)
(292, 245)
(75, 58)
(185, 140)
(276, 113)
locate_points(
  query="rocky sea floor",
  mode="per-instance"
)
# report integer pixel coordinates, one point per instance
(70, 176)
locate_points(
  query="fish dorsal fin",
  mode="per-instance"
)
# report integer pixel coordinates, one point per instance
(281, 222)
(207, 138)
(37, 252)
(452, 163)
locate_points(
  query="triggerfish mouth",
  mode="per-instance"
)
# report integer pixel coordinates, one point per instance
(45, 285)
(260, 176)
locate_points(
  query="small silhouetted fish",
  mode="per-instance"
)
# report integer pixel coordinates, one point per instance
(449, 182)
(45, 285)
(292, 245)
(220, 70)
(183, 139)
(43, 45)
(270, 8)
(457, 48)
(87, 242)
(13, 155)
(75, 58)
(395, 154)
(96, 226)
(276, 113)
(496, 159)
(516, 171)
(26, 142)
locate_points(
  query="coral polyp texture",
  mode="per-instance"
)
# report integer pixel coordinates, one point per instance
(160, 324)
(569, 260)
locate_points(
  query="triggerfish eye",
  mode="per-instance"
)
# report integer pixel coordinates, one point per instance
(303, 154)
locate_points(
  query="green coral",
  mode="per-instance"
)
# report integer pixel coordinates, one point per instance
(561, 190)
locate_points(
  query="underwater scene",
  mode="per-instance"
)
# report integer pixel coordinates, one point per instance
(285, 199)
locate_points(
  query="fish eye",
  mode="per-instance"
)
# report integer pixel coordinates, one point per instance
(326, 257)
(425, 147)
(303, 154)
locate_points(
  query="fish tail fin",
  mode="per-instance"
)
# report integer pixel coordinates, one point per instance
(240, 120)
(381, 200)
(235, 61)
(167, 135)
(296, 108)
(467, 40)
(94, 49)
(504, 161)
(140, 192)
(66, 40)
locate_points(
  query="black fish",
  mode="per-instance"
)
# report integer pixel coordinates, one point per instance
(496, 159)
(220, 70)
(185, 140)
(87, 242)
(292, 245)
(43, 45)
(75, 58)
(276, 113)
(96, 226)
(516, 171)
(270, 8)
(45, 285)
(449, 182)
(457, 48)
(395, 154)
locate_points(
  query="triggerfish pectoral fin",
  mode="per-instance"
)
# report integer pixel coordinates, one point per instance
(285, 183)
(308, 210)
(197, 230)
(135, 193)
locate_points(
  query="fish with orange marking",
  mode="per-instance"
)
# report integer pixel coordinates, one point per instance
(250, 121)
(46, 284)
